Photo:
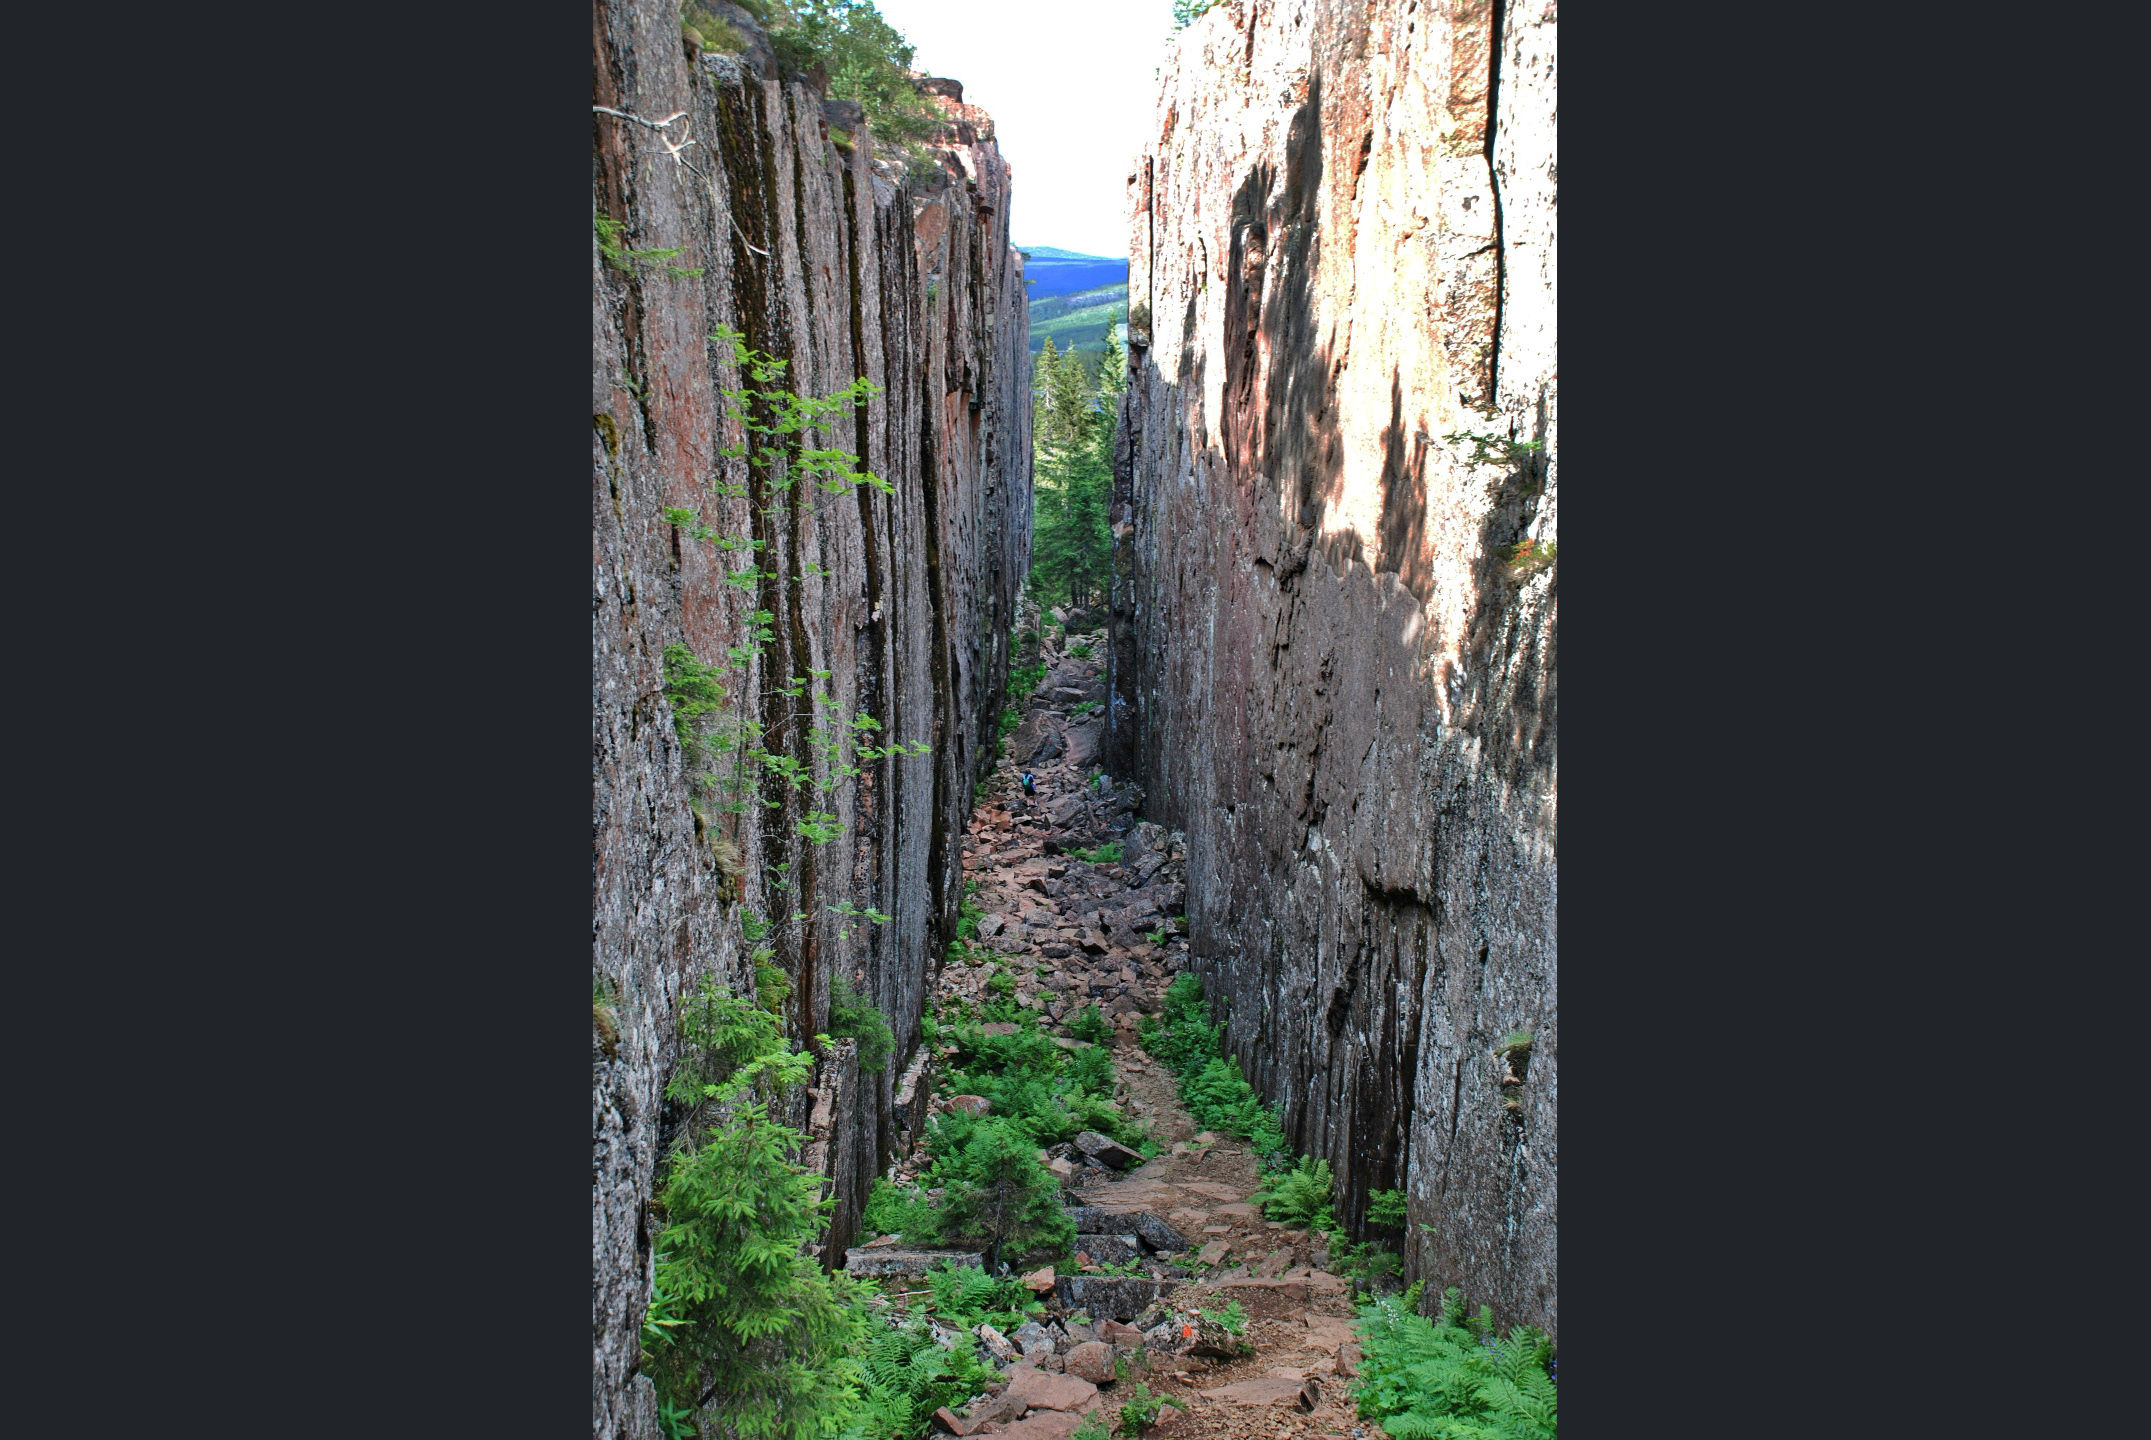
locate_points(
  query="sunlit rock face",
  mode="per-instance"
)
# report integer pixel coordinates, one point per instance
(1332, 666)
(845, 266)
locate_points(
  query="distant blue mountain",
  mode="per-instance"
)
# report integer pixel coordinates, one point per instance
(1063, 272)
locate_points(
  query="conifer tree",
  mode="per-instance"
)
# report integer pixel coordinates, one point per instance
(1073, 436)
(753, 1335)
(1004, 1197)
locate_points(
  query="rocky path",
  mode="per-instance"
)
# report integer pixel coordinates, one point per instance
(1075, 933)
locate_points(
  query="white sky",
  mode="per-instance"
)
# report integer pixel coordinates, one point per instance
(1070, 89)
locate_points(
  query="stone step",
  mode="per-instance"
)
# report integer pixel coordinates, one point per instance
(889, 1260)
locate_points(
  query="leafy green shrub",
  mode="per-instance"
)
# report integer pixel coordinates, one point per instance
(969, 912)
(1438, 1380)
(1090, 1024)
(1370, 1265)
(894, 1210)
(1385, 1207)
(1526, 559)
(1093, 1428)
(625, 260)
(716, 34)
(1051, 1093)
(1299, 1196)
(692, 688)
(1024, 679)
(865, 57)
(1009, 1010)
(1001, 983)
(1106, 854)
(1487, 449)
(772, 987)
(853, 1017)
(1080, 652)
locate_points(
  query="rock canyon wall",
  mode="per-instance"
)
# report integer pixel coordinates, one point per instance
(1335, 592)
(788, 228)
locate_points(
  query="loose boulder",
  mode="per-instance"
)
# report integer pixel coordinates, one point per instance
(1120, 1297)
(1109, 1249)
(1108, 1151)
(1033, 1340)
(1108, 1220)
(1092, 1361)
(1029, 1385)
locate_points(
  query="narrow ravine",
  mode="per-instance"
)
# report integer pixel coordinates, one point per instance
(1076, 927)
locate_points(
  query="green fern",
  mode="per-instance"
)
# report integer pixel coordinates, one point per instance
(1442, 1380)
(905, 1376)
(1300, 1196)
(966, 1296)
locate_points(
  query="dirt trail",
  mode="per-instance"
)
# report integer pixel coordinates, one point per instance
(1075, 933)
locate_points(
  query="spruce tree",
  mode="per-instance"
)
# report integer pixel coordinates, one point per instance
(753, 1336)
(1004, 1197)
(1075, 414)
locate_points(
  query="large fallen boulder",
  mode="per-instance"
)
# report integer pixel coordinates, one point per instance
(1116, 1297)
(1043, 1425)
(1107, 1151)
(1109, 1249)
(1112, 1220)
(1093, 1361)
(1033, 1341)
(993, 1410)
(1029, 1385)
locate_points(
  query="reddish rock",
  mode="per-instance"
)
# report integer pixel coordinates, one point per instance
(1043, 1425)
(1093, 1361)
(1035, 1388)
(1317, 589)
(972, 1104)
(869, 243)
(1040, 1282)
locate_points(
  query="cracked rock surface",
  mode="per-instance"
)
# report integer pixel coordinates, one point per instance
(1332, 638)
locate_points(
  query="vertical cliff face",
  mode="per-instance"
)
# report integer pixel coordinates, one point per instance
(844, 266)
(1332, 666)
